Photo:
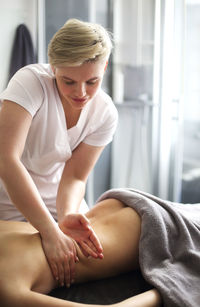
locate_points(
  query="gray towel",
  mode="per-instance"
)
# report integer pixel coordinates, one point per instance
(23, 51)
(169, 248)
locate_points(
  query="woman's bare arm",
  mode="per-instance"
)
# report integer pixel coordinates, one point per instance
(15, 122)
(71, 192)
(71, 189)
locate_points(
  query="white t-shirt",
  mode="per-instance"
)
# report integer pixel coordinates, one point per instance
(49, 143)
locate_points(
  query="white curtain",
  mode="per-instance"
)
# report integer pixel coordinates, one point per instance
(131, 148)
(170, 92)
(147, 149)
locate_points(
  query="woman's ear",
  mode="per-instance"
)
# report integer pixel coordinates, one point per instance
(106, 66)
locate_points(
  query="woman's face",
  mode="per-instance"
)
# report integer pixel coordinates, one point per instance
(78, 85)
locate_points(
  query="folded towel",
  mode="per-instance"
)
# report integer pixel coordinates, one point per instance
(169, 248)
(23, 51)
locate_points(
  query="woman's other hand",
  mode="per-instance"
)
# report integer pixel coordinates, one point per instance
(61, 254)
(78, 227)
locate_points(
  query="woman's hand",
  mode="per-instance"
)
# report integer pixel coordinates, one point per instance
(78, 227)
(61, 255)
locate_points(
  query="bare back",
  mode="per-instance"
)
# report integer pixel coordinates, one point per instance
(22, 257)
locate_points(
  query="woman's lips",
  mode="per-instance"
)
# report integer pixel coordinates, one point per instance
(80, 99)
(79, 102)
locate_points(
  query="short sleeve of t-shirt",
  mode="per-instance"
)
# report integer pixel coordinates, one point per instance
(24, 89)
(105, 119)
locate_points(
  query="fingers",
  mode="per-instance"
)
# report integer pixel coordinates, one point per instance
(61, 275)
(95, 241)
(64, 272)
(67, 271)
(54, 270)
(71, 278)
(61, 254)
(88, 249)
(83, 251)
(69, 267)
(63, 269)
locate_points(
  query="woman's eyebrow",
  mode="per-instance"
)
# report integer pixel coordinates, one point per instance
(92, 79)
(64, 77)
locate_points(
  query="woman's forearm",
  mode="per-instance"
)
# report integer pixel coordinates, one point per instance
(69, 196)
(74, 177)
(58, 248)
(25, 196)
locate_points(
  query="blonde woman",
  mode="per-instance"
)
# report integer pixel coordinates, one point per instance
(55, 120)
(26, 276)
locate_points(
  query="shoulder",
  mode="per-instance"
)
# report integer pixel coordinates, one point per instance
(33, 78)
(102, 113)
(39, 72)
(28, 86)
(103, 118)
(104, 98)
(104, 104)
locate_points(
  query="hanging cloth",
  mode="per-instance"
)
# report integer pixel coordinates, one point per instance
(23, 51)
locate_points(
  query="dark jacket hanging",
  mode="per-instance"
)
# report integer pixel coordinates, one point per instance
(23, 51)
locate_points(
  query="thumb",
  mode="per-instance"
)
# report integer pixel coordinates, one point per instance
(84, 221)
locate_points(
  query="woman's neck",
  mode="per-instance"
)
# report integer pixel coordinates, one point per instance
(71, 115)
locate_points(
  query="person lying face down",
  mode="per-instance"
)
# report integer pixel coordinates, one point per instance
(26, 277)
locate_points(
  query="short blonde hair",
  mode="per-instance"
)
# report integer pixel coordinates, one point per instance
(78, 42)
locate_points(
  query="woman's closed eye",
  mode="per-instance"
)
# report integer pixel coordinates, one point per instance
(70, 82)
(92, 81)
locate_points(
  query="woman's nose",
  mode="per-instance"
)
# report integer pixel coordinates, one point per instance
(80, 90)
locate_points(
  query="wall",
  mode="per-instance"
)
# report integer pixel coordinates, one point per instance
(58, 12)
(12, 14)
